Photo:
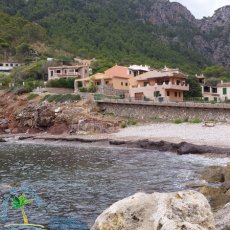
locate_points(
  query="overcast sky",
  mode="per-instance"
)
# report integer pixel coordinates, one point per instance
(201, 8)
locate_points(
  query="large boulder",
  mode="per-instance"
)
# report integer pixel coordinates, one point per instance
(222, 218)
(187, 210)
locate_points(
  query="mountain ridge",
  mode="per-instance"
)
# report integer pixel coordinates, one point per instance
(144, 31)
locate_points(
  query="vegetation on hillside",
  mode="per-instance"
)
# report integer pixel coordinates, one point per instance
(108, 30)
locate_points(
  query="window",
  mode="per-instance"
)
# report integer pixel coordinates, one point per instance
(157, 94)
(7, 64)
(1, 64)
(224, 91)
(175, 94)
(76, 70)
(126, 84)
(106, 82)
(168, 93)
(145, 83)
(52, 73)
(214, 90)
(11, 64)
(58, 71)
(121, 83)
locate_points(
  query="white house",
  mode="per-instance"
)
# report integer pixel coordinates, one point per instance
(223, 90)
(7, 67)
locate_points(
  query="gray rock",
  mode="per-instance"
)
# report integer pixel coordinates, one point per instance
(188, 210)
(222, 218)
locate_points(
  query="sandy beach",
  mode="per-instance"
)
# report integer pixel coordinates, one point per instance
(217, 136)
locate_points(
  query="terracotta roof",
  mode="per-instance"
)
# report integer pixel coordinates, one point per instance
(227, 84)
(98, 76)
(157, 74)
(118, 71)
(67, 67)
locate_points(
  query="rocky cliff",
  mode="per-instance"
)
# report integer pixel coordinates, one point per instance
(209, 36)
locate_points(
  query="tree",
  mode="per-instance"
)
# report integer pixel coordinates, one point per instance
(194, 87)
(216, 72)
(92, 88)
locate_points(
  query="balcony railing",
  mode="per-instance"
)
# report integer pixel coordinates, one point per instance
(170, 85)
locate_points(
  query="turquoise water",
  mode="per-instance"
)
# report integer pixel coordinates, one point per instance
(79, 181)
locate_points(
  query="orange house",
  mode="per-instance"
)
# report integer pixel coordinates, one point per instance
(113, 81)
(164, 85)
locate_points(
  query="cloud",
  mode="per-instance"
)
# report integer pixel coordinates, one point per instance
(201, 8)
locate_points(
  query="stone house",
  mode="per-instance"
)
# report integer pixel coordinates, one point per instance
(78, 71)
(164, 85)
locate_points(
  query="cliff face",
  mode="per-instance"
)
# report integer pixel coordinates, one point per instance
(209, 36)
(216, 34)
(160, 12)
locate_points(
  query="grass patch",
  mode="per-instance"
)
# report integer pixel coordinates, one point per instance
(178, 121)
(195, 120)
(31, 96)
(131, 121)
(109, 114)
(62, 98)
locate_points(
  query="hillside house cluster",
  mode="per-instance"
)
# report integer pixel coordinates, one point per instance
(139, 82)
(136, 81)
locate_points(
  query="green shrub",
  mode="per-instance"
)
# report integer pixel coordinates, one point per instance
(62, 97)
(31, 96)
(123, 125)
(109, 114)
(178, 121)
(61, 83)
(83, 90)
(195, 120)
(131, 121)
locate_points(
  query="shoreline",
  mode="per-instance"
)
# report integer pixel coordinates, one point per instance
(179, 147)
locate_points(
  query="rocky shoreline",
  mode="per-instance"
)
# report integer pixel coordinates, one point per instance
(162, 146)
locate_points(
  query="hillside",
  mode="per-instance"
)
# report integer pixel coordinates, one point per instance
(154, 32)
(17, 37)
(23, 40)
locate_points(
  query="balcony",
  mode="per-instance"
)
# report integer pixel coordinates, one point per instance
(180, 86)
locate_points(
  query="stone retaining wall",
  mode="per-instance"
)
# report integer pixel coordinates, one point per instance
(141, 111)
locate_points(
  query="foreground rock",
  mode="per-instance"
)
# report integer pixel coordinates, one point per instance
(218, 192)
(188, 210)
(222, 218)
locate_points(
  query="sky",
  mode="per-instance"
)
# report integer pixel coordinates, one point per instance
(201, 8)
